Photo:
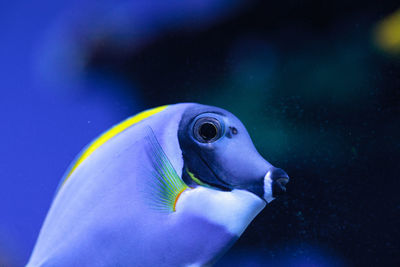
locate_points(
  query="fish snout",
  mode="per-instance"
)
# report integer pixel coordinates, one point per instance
(274, 183)
(279, 180)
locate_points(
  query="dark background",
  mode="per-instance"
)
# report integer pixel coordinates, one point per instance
(316, 84)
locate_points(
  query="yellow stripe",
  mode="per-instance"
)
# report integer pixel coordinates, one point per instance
(111, 133)
(196, 180)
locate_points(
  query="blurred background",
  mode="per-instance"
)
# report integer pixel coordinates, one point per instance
(317, 83)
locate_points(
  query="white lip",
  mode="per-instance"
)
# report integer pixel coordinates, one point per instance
(268, 188)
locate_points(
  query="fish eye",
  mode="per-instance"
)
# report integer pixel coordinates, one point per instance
(207, 130)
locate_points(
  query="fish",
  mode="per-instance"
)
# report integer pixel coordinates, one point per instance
(175, 185)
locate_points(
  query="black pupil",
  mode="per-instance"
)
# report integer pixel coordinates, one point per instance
(208, 131)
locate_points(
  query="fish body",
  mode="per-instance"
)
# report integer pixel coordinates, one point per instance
(131, 201)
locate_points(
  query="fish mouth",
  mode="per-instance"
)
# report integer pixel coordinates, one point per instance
(279, 186)
(275, 182)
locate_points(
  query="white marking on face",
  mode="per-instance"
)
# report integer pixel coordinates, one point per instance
(234, 209)
(268, 188)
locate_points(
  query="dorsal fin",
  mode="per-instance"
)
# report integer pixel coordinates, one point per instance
(165, 185)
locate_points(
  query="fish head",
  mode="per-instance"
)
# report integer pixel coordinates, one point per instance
(218, 152)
